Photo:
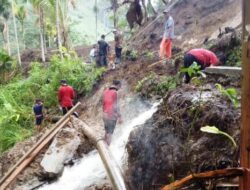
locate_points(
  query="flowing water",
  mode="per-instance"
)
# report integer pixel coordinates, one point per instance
(90, 170)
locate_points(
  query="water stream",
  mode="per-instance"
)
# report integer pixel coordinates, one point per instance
(90, 170)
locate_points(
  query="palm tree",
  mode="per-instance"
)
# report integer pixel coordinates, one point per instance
(37, 6)
(15, 30)
(21, 15)
(59, 45)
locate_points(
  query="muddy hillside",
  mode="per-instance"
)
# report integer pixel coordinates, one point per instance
(195, 23)
(170, 145)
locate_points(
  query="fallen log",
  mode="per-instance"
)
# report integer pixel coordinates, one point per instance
(205, 175)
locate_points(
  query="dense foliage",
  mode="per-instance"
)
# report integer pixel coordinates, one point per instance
(17, 98)
(7, 67)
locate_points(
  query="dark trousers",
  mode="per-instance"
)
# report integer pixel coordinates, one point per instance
(66, 109)
(188, 61)
(118, 55)
(103, 60)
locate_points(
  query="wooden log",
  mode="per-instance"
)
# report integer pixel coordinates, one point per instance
(245, 98)
(206, 175)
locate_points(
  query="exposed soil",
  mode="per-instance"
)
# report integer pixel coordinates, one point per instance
(195, 21)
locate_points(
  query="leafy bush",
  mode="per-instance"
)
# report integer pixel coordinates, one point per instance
(153, 85)
(7, 66)
(150, 55)
(16, 98)
(230, 93)
(234, 57)
(131, 55)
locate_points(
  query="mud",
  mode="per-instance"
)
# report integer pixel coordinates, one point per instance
(171, 146)
(195, 20)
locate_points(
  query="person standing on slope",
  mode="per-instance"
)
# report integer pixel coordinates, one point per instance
(118, 46)
(166, 43)
(103, 51)
(111, 111)
(38, 111)
(66, 95)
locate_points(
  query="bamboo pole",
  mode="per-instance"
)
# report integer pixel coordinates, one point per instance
(245, 99)
(112, 168)
(33, 152)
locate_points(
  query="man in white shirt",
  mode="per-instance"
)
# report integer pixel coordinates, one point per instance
(92, 54)
(166, 43)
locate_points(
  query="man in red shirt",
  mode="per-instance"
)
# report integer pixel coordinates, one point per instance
(111, 112)
(202, 57)
(66, 95)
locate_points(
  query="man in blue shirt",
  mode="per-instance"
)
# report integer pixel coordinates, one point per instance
(38, 111)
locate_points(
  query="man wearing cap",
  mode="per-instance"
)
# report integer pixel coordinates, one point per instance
(111, 111)
(166, 43)
(66, 95)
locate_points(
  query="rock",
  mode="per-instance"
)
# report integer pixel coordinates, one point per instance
(223, 70)
(61, 150)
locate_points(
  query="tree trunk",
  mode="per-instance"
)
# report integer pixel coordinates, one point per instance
(164, 2)
(151, 6)
(15, 30)
(4, 36)
(145, 10)
(8, 38)
(41, 33)
(115, 7)
(44, 32)
(59, 45)
(96, 10)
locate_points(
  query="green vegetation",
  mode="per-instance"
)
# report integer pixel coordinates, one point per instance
(17, 97)
(149, 55)
(153, 85)
(215, 130)
(193, 70)
(131, 54)
(230, 93)
(7, 66)
(234, 57)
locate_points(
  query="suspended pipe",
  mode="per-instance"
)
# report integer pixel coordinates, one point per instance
(112, 168)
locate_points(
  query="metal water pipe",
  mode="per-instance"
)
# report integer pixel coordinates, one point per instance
(112, 168)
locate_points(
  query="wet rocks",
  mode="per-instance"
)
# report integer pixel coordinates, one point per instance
(61, 150)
